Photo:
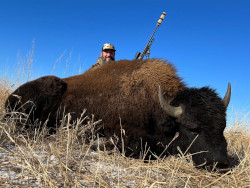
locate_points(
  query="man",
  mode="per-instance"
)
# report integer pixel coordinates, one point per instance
(107, 54)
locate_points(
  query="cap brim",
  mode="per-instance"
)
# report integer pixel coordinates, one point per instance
(108, 49)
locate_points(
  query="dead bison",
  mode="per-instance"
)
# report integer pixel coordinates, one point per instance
(127, 94)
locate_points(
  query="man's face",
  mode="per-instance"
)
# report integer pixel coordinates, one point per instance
(108, 55)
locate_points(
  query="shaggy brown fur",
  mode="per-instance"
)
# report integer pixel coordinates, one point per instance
(135, 83)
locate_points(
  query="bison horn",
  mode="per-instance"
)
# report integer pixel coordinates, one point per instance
(170, 110)
(227, 97)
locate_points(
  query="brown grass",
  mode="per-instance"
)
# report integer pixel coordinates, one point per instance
(5, 90)
(65, 159)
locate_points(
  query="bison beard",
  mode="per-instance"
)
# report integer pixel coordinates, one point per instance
(125, 93)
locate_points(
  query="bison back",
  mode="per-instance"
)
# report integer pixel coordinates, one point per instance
(123, 92)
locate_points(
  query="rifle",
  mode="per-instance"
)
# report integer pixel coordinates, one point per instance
(146, 50)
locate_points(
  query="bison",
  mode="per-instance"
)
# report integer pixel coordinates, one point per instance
(146, 98)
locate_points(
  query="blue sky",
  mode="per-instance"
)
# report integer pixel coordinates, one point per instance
(207, 40)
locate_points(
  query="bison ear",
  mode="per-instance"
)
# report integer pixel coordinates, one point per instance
(188, 121)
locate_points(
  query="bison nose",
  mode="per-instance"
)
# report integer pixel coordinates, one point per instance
(219, 167)
(222, 165)
(223, 169)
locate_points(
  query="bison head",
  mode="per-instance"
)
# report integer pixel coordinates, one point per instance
(200, 116)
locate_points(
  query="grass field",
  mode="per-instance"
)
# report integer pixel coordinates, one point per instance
(34, 159)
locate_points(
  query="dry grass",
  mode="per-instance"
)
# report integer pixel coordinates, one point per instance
(34, 159)
(5, 90)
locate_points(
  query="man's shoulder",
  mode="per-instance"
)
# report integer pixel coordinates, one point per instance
(99, 61)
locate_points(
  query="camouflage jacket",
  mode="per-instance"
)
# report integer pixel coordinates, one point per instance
(99, 61)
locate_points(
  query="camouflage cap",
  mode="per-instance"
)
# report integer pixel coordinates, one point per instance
(108, 46)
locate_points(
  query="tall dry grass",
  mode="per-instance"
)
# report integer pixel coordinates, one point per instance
(5, 90)
(32, 158)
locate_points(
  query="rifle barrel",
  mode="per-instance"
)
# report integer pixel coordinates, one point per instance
(148, 45)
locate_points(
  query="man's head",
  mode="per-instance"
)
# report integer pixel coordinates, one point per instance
(108, 52)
